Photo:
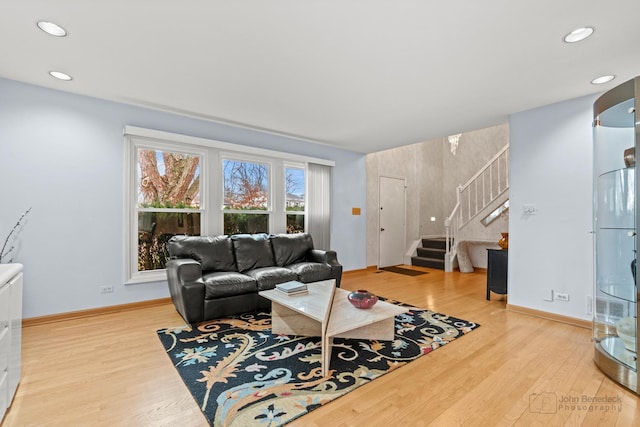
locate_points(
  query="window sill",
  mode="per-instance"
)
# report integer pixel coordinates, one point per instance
(147, 276)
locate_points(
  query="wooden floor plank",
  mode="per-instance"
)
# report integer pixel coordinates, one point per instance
(110, 369)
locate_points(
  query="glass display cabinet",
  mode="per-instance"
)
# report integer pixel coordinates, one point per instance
(615, 322)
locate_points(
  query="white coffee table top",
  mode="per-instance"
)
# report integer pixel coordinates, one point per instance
(324, 301)
(345, 317)
(326, 311)
(316, 303)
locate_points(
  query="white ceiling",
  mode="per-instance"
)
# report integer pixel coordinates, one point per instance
(362, 75)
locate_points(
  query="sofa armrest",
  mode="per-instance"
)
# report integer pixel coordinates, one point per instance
(330, 258)
(186, 288)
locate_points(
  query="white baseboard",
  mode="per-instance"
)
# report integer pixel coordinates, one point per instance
(413, 250)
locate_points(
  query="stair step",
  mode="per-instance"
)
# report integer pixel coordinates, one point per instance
(427, 262)
(434, 253)
(435, 242)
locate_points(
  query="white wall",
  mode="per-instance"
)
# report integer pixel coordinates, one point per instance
(62, 155)
(551, 167)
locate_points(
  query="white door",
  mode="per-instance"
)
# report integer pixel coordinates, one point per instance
(392, 217)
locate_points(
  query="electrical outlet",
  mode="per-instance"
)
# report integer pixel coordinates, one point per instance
(561, 296)
(547, 295)
(105, 289)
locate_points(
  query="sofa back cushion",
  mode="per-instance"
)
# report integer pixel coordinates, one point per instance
(291, 248)
(252, 251)
(213, 253)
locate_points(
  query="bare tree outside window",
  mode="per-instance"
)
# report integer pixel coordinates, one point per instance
(294, 199)
(168, 203)
(245, 185)
(246, 197)
(168, 179)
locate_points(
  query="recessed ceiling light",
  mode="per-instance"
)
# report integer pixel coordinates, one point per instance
(51, 28)
(578, 34)
(60, 75)
(602, 79)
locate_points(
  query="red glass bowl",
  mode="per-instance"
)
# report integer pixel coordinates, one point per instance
(362, 299)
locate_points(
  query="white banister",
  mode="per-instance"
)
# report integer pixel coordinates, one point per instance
(451, 235)
(463, 213)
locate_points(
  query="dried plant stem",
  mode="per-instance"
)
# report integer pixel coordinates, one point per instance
(4, 252)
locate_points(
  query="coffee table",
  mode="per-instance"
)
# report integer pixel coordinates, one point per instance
(326, 312)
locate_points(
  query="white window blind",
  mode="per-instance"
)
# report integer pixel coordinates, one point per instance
(319, 210)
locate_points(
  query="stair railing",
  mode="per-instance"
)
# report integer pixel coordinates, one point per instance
(489, 183)
(451, 224)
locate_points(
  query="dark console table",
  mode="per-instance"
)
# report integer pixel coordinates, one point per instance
(497, 263)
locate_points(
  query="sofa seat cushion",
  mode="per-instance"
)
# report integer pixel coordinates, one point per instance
(227, 284)
(291, 248)
(230, 306)
(308, 272)
(269, 277)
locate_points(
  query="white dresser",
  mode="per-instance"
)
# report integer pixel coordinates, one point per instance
(10, 332)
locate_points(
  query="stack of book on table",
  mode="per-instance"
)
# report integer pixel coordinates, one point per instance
(292, 288)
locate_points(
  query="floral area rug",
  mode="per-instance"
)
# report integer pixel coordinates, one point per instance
(240, 374)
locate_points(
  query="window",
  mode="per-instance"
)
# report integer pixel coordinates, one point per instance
(246, 197)
(168, 203)
(294, 198)
(172, 181)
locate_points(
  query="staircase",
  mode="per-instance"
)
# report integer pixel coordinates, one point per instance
(488, 185)
(431, 254)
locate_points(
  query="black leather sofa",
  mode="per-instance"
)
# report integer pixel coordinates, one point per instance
(213, 277)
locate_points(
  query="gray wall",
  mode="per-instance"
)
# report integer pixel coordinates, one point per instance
(431, 191)
(403, 162)
(433, 173)
(476, 148)
(62, 155)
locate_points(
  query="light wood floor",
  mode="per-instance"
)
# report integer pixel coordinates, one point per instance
(110, 370)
